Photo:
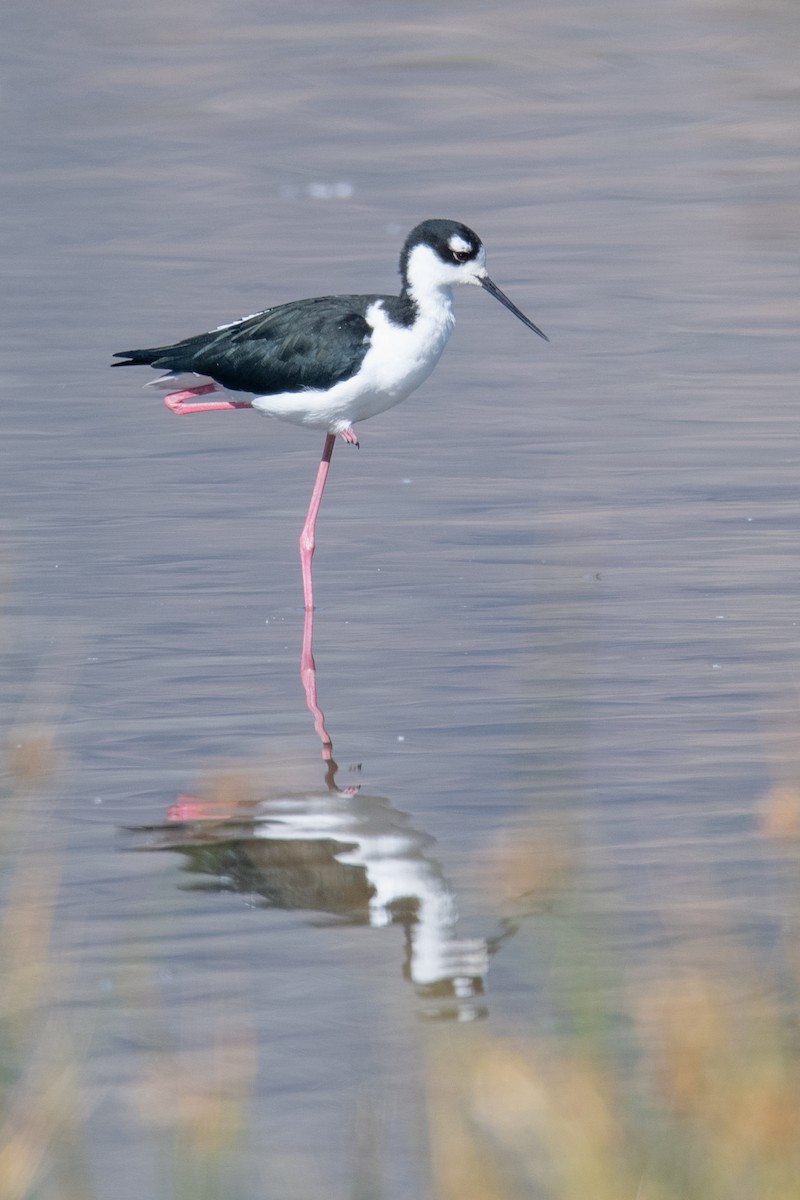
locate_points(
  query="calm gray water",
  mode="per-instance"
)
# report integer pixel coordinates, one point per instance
(558, 588)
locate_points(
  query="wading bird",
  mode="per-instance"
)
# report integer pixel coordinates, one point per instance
(332, 361)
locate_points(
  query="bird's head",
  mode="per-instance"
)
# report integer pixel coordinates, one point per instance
(439, 254)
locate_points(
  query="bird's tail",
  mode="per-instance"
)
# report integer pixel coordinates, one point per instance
(137, 358)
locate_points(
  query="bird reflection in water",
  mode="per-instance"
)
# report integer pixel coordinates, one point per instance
(341, 853)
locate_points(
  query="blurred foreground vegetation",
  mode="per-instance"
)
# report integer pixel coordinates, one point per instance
(703, 1103)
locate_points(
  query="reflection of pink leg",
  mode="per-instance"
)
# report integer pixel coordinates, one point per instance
(180, 402)
(308, 675)
(307, 536)
(193, 808)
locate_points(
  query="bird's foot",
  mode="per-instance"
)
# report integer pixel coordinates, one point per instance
(349, 435)
(181, 403)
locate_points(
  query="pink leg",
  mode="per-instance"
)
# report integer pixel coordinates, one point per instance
(307, 536)
(308, 675)
(349, 435)
(179, 402)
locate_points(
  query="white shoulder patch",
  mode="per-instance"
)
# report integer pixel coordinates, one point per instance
(241, 320)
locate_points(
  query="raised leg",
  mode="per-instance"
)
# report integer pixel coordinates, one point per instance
(194, 808)
(307, 536)
(181, 402)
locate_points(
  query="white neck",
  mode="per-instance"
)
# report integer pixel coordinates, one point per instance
(429, 281)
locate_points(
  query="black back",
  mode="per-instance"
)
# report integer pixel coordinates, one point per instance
(304, 344)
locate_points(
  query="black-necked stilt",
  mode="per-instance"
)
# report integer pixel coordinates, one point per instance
(332, 361)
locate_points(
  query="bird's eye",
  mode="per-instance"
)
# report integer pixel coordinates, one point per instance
(461, 256)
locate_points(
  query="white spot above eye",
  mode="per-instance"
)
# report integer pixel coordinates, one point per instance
(458, 245)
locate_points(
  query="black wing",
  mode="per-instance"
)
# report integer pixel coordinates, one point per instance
(303, 344)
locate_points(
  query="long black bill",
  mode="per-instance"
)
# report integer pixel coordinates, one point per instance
(494, 290)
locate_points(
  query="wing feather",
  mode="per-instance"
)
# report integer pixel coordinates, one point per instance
(295, 346)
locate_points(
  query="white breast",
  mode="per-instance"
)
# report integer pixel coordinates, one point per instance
(399, 359)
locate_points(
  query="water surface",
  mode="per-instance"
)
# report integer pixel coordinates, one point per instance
(557, 588)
